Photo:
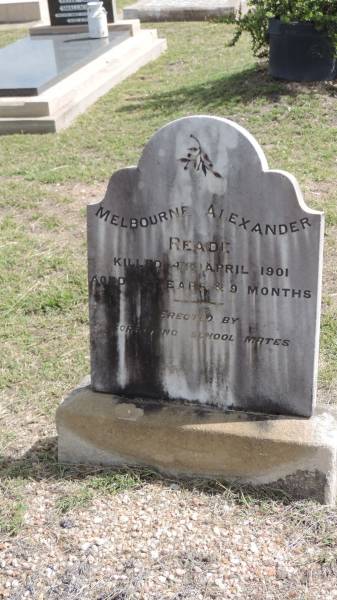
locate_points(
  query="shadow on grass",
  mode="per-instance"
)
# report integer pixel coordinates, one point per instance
(40, 464)
(238, 88)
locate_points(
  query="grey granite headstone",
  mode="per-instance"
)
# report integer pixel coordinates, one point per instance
(205, 275)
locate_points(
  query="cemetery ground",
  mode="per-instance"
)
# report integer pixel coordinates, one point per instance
(90, 533)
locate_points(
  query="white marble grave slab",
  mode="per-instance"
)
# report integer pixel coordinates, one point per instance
(205, 275)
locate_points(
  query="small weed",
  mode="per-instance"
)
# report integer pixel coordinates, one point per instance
(55, 297)
(12, 507)
(51, 223)
(102, 481)
(328, 374)
(11, 518)
(328, 562)
(80, 499)
(317, 524)
(113, 483)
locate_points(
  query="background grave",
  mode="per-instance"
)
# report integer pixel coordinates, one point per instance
(53, 75)
(181, 10)
(34, 64)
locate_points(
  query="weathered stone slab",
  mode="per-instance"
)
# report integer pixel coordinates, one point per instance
(290, 453)
(205, 276)
(182, 10)
(20, 11)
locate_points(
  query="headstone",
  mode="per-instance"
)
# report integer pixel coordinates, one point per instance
(205, 276)
(74, 12)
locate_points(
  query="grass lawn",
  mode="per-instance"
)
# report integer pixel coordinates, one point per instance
(46, 183)
(123, 3)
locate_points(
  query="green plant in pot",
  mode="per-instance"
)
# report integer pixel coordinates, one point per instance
(299, 35)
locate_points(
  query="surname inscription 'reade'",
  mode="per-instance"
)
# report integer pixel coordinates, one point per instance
(205, 275)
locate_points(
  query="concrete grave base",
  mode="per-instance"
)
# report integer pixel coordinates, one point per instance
(297, 455)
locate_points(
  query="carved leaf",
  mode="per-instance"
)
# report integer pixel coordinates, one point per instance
(198, 159)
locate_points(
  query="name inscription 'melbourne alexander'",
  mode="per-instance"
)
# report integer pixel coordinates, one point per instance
(204, 275)
(232, 218)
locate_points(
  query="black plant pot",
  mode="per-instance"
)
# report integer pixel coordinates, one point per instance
(299, 52)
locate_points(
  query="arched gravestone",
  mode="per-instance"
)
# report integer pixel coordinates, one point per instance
(205, 275)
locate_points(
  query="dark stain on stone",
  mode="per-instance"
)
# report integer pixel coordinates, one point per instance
(104, 299)
(266, 405)
(144, 298)
(304, 484)
(264, 420)
(146, 404)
